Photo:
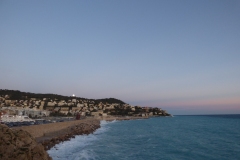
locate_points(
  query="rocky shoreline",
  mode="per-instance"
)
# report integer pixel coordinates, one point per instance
(32, 142)
(21, 145)
(51, 134)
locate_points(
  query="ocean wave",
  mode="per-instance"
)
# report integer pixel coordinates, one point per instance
(104, 122)
(73, 149)
(183, 137)
(76, 148)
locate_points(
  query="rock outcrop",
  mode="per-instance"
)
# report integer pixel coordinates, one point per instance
(20, 145)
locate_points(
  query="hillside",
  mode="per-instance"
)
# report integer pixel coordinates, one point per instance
(18, 95)
(38, 105)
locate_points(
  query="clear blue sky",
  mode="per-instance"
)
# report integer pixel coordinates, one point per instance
(182, 56)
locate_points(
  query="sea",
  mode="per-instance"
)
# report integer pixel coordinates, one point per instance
(205, 137)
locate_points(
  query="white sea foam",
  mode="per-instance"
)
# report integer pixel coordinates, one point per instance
(103, 122)
(85, 155)
(76, 148)
(73, 149)
(198, 137)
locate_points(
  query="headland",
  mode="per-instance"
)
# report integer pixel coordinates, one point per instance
(31, 142)
(39, 105)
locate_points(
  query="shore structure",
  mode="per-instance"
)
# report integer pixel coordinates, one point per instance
(32, 142)
(51, 134)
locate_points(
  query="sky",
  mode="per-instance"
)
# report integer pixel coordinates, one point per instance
(182, 56)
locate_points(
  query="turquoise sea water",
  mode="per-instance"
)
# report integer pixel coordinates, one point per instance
(215, 137)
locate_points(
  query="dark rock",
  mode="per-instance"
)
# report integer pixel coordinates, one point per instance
(20, 145)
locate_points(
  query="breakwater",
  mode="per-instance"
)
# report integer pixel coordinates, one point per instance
(50, 134)
(31, 142)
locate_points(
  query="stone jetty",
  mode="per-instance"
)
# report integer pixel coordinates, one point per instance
(31, 142)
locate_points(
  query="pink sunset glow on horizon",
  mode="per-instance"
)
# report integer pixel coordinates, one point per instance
(210, 102)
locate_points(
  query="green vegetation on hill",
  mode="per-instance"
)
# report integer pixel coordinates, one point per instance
(18, 95)
(59, 105)
(109, 100)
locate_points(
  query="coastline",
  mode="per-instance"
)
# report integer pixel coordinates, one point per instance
(28, 142)
(54, 133)
(119, 118)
